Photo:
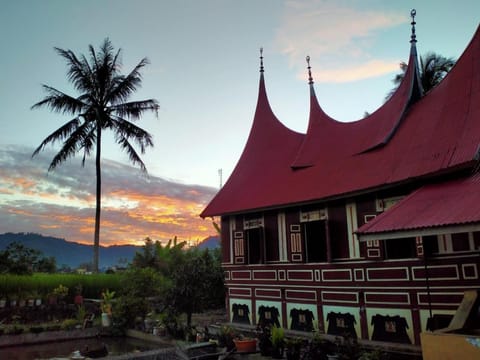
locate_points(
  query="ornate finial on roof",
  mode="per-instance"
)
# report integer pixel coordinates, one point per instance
(261, 59)
(310, 79)
(413, 37)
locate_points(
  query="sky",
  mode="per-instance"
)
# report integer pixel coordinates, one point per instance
(204, 71)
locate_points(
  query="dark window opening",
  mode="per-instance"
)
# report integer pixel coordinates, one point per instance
(460, 242)
(271, 245)
(400, 248)
(255, 245)
(430, 245)
(315, 241)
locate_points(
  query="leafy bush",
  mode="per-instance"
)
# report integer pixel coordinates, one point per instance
(69, 324)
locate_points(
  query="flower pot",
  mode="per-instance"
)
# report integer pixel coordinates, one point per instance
(277, 353)
(246, 345)
(106, 320)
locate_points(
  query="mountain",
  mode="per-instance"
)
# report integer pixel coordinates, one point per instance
(210, 242)
(69, 253)
(74, 254)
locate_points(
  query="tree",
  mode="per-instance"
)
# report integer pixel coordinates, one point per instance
(102, 105)
(433, 68)
(197, 283)
(159, 257)
(21, 260)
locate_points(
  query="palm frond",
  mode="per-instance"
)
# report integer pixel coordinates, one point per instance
(79, 72)
(71, 145)
(60, 102)
(124, 86)
(59, 135)
(132, 154)
(124, 129)
(135, 109)
(89, 142)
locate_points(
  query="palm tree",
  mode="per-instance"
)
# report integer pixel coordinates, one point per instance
(102, 105)
(433, 68)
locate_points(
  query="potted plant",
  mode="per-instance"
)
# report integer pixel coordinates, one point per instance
(225, 335)
(278, 341)
(61, 293)
(264, 339)
(245, 344)
(78, 299)
(3, 301)
(106, 307)
(293, 346)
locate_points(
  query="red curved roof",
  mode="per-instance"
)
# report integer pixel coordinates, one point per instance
(402, 140)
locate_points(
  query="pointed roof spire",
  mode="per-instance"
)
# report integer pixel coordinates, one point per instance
(261, 59)
(310, 79)
(413, 37)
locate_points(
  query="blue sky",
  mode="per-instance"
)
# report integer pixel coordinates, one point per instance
(204, 73)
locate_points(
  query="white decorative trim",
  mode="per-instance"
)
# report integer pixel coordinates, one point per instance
(352, 226)
(239, 288)
(317, 275)
(241, 271)
(239, 260)
(300, 271)
(355, 274)
(266, 271)
(281, 275)
(431, 267)
(419, 294)
(297, 257)
(282, 236)
(314, 215)
(373, 253)
(324, 271)
(387, 302)
(295, 228)
(253, 223)
(340, 301)
(267, 296)
(405, 269)
(287, 297)
(474, 269)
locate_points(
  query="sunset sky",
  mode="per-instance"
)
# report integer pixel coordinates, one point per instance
(204, 73)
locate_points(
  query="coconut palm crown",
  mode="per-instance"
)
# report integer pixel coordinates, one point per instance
(102, 105)
(433, 68)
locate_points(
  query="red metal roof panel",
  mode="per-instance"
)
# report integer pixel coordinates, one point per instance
(451, 203)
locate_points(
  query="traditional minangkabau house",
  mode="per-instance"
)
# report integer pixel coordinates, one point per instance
(371, 227)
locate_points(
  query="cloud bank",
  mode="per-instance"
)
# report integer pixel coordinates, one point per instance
(61, 203)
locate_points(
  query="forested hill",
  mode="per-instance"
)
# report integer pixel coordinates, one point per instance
(71, 254)
(74, 254)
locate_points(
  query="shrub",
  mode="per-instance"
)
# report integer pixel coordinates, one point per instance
(69, 324)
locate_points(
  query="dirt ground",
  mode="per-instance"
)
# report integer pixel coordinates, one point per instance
(212, 317)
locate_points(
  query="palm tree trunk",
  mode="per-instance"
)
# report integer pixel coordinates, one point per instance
(96, 241)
